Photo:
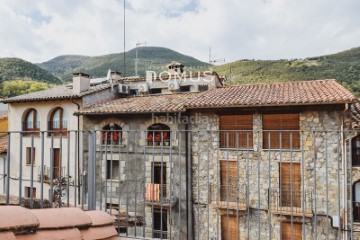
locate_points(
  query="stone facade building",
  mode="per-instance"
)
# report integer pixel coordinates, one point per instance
(185, 157)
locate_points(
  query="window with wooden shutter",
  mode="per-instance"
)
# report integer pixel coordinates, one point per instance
(291, 231)
(228, 181)
(236, 131)
(229, 228)
(290, 185)
(277, 128)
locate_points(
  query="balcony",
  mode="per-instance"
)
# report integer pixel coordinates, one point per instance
(158, 234)
(156, 194)
(47, 173)
(290, 203)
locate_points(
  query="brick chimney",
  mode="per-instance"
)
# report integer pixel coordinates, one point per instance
(81, 82)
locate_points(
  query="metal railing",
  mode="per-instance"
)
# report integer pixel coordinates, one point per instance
(213, 188)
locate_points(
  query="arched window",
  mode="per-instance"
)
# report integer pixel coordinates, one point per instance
(355, 147)
(158, 134)
(356, 203)
(111, 134)
(31, 121)
(58, 120)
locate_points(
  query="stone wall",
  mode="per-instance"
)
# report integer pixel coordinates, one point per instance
(258, 171)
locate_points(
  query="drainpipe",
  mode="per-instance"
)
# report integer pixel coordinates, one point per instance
(78, 152)
(189, 183)
(344, 177)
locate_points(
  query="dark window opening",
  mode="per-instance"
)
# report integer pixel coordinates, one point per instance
(355, 150)
(160, 223)
(28, 192)
(30, 155)
(184, 88)
(155, 91)
(356, 203)
(112, 169)
(133, 92)
(203, 88)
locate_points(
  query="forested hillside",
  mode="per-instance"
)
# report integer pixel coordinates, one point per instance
(343, 66)
(150, 58)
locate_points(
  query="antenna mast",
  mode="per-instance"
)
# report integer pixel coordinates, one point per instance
(212, 59)
(136, 60)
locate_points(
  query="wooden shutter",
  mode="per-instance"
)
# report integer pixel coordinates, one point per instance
(56, 166)
(291, 231)
(281, 139)
(228, 181)
(233, 139)
(229, 228)
(290, 184)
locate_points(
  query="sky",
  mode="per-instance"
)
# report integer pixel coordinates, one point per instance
(40, 30)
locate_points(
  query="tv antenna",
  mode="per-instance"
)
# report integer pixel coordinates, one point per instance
(136, 60)
(212, 59)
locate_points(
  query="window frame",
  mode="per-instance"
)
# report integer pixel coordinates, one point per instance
(158, 137)
(61, 129)
(29, 157)
(35, 121)
(281, 132)
(232, 131)
(27, 192)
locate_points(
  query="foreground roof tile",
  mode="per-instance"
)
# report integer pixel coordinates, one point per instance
(58, 218)
(62, 234)
(17, 219)
(7, 236)
(95, 233)
(274, 94)
(100, 218)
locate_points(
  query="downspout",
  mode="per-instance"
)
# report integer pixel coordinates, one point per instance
(344, 177)
(78, 152)
(189, 183)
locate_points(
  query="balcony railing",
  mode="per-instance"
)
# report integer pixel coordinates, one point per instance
(47, 173)
(286, 202)
(160, 234)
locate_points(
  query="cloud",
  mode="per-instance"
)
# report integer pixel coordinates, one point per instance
(256, 29)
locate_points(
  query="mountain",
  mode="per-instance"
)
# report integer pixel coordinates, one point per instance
(343, 66)
(18, 69)
(150, 58)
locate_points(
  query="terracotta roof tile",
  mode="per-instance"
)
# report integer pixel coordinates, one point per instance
(17, 219)
(146, 104)
(72, 233)
(57, 218)
(57, 93)
(7, 236)
(94, 233)
(99, 218)
(287, 93)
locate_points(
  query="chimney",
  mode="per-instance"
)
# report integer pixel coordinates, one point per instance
(81, 82)
(175, 68)
(116, 76)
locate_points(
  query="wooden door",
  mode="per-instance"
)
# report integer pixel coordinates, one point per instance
(229, 228)
(228, 181)
(56, 166)
(290, 184)
(291, 231)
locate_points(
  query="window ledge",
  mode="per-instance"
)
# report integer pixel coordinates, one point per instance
(288, 211)
(282, 150)
(237, 149)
